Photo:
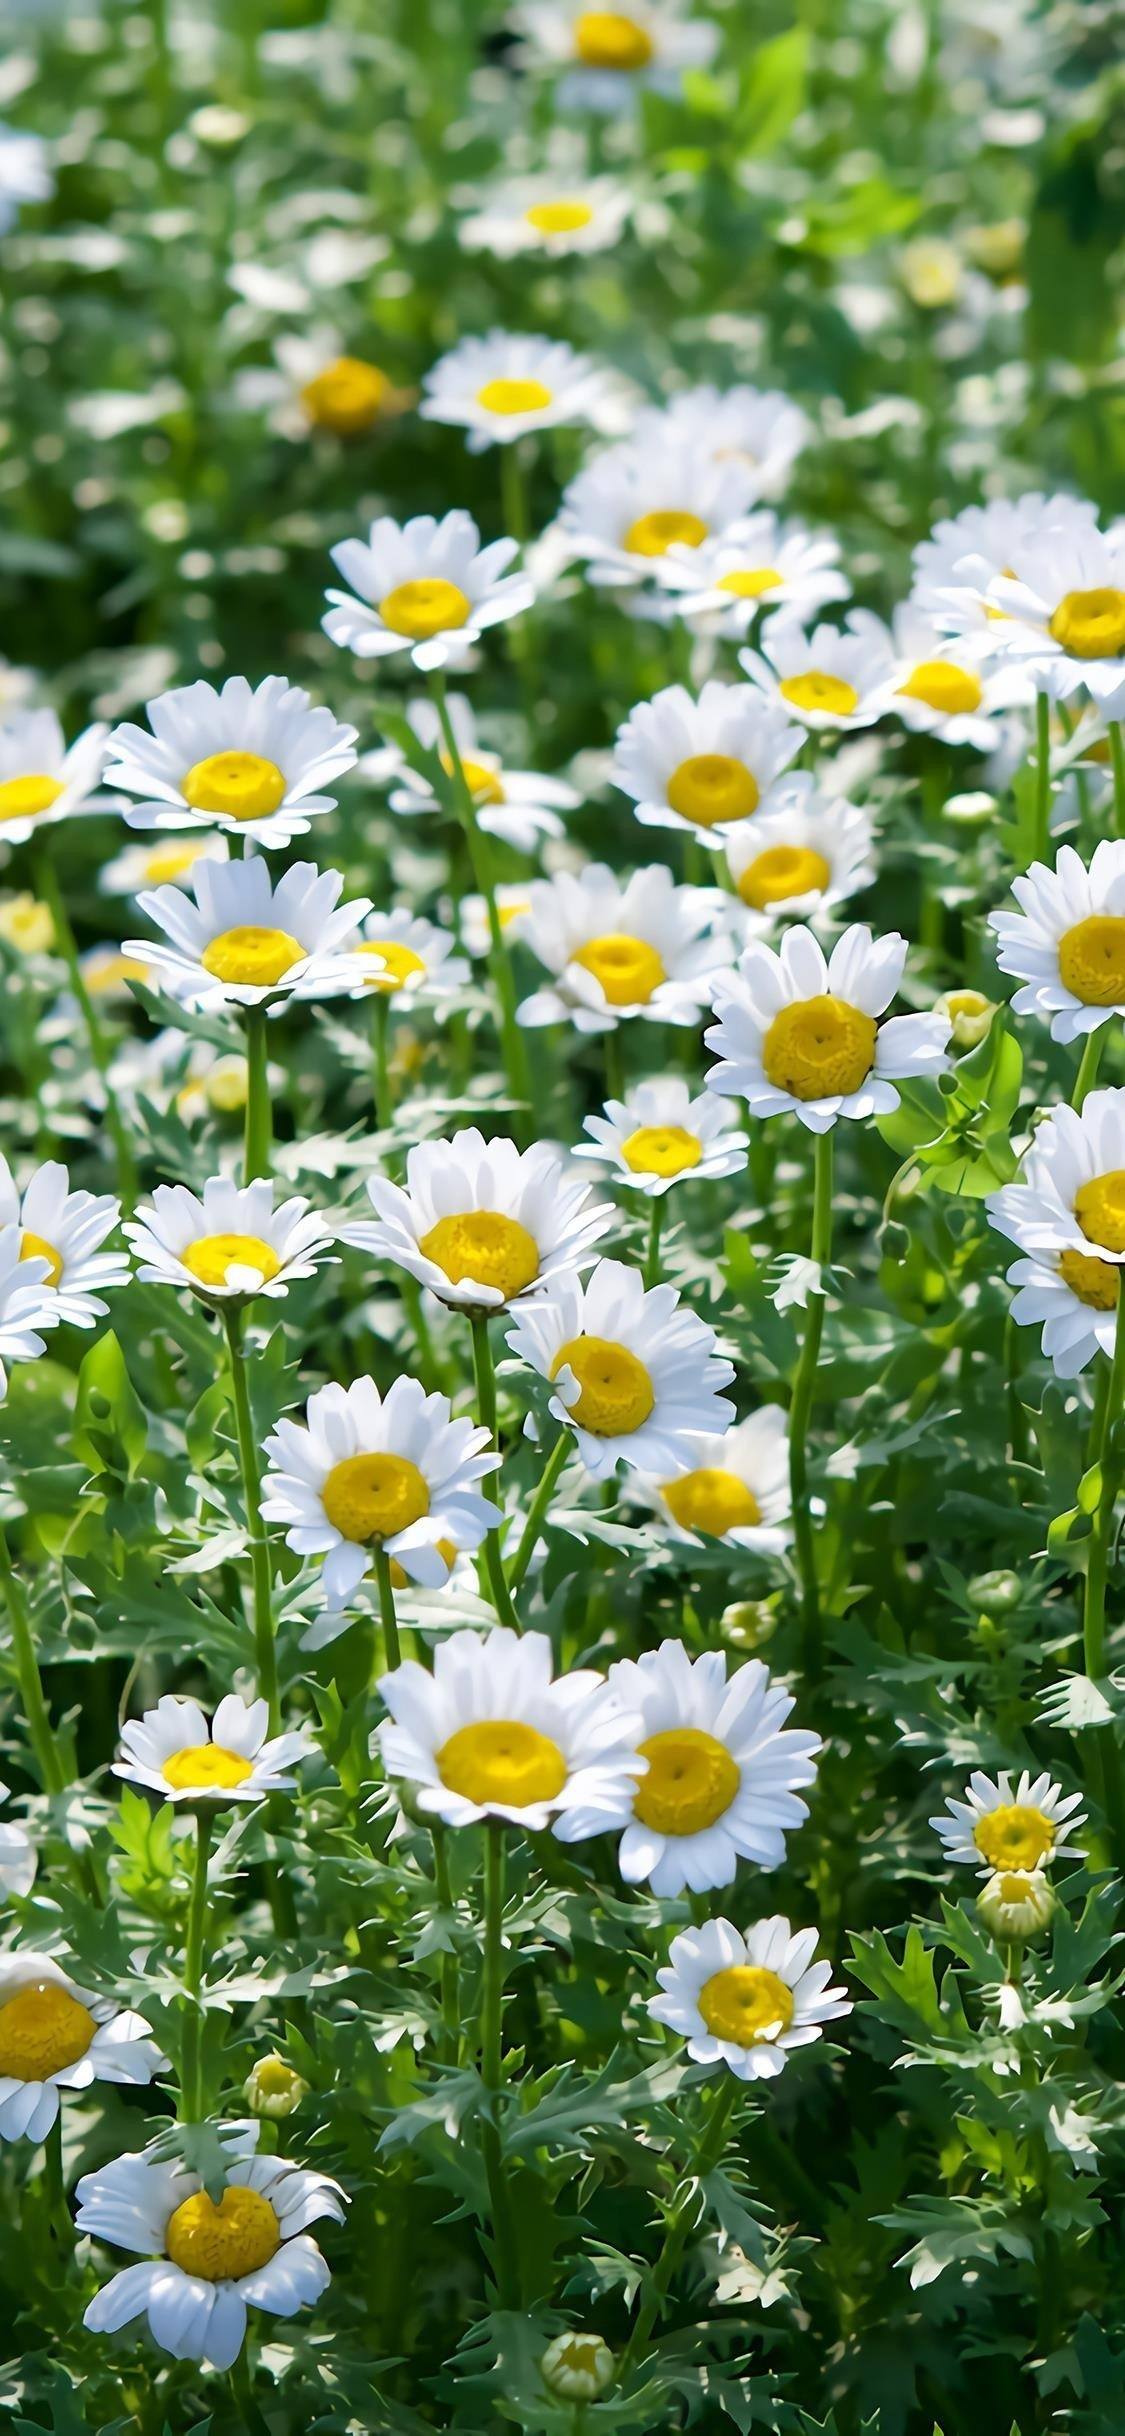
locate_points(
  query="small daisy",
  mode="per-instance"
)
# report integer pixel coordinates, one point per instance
(798, 1033)
(957, 569)
(27, 925)
(648, 948)
(1072, 1296)
(501, 386)
(425, 587)
(939, 690)
(250, 761)
(633, 503)
(19, 1860)
(41, 780)
(202, 2261)
(660, 1136)
(367, 1472)
(758, 429)
(1067, 942)
(1067, 1220)
(314, 384)
(228, 1244)
(482, 1223)
(735, 1488)
(67, 1231)
(804, 856)
(55, 2035)
(240, 939)
(26, 1303)
(491, 1734)
(173, 1751)
(998, 1828)
(548, 215)
(635, 1373)
(517, 806)
(1063, 606)
(610, 55)
(829, 679)
(411, 960)
(107, 972)
(170, 859)
(746, 1999)
(512, 900)
(758, 564)
(703, 763)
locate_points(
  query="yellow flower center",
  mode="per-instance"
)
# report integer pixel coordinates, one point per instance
(1099, 1207)
(819, 1047)
(371, 1497)
(628, 969)
(211, 1257)
(483, 784)
(661, 1150)
(514, 397)
(425, 606)
(225, 2242)
(42, 2030)
(691, 1781)
(1091, 625)
(105, 973)
(817, 690)
(241, 786)
(943, 687)
(1092, 960)
(27, 924)
(502, 1760)
(1013, 1836)
(605, 38)
(615, 1390)
(559, 219)
(400, 1579)
(252, 956)
(399, 964)
(746, 2005)
(226, 1086)
(1095, 1282)
(203, 1766)
(36, 1247)
(962, 1004)
(749, 583)
(783, 872)
(22, 798)
(485, 1246)
(713, 787)
(347, 397)
(515, 905)
(650, 536)
(170, 862)
(711, 1501)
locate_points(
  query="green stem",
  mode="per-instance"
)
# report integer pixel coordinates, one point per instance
(392, 1654)
(804, 1388)
(652, 1255)
(512, 1040)
(485, 1377)
(614, 1063)
(250, 2418)
(47, 887)
(259, 1119)
(492, 2067)
(265, 1646)
(536, 1513)
(380, 1068)
(191, 2052)
(1042, 839)
(1117, 754)
(54, 1775)
(681, 2222)
(1103, 1758)
(54, 2189)
(450, 1971)
(1088, 1070)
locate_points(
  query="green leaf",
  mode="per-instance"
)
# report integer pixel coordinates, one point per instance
(110, 1423)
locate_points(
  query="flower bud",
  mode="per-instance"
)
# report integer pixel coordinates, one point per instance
(930, 271)
(994, 1594)
(273, 2088)
(748, 1623)
(578, 2367)
(1016, 1905)
(968, 1013)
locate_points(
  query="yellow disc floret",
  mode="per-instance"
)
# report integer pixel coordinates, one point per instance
(749, 583)
(1014, 1836)
(222, 2243)
(691, 1781)
(239, 786)
(399, 964)
(425, 606)
(483, 784)
(783, 872)
(211, 1257)
(819, 1048)
(616, 1394)
(628, 968)
(816, 689)
(713, 787)
(170, 862)
(561, 219)
(711, 1501)
(24, 798)
(1090, 625)
(942, 686)
(252, 956)
(371, 1497)
(43, 2028)
(747, 2005)
(502, 1760)
(205, 1767)
(347, 397)
(1097, 1283)
(486, 1247)
(36, 1247)
(650, 536)
(514, 397)
(662, 1150)
(1092, 960)
(1099, 1207)
(606, 38)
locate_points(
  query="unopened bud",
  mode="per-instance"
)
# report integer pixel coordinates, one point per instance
(274, 2089)
(748, 1623)
(968, 1014)
(994, 1594)
(578, 2367)
(1016, 1905)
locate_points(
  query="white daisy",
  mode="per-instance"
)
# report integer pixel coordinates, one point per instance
(758, 564)
(512, 899)
(758, 429)
(229, 1243)
(798, 1033)
(25, 172)
(425, 587)
(314, 384)
(1067, 942)
(937, 690)
(660, 1136)
(1071, 1296)
(996, 1827)
(367, 1472)
(56, 2035)
(490, 1734)
(171, 858)
(67, 1231)
(833, 678)
(42, 780)
(746, 2000)
(410, 961)
(804, 855)
(646, 948)
(1064, 610)
(19, 1859)
(956, 569)
(26, 1303)
(505, 384)
(627, 509)
(242, 939)
(173, 1751)
(635, 1373)
(1067, 1219)
(482, 1223)
(517, 806)
(703, 763)
(610, 55)
(203, 2262)
(548, 215)
(735, 1487)
(250, 761)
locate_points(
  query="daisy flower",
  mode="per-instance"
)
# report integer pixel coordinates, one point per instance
(170, 859)
(42, 780)
(241, 939)
(26, 1303)
(830, 679)
(250, 761)
(759, 429)
(1072, 1296)
(957, 568)
(19, 1860)
(56, 2035)
(758, 564)
(411, 960)
(1067, 1219)
(202, 2261)
(721, 1781)
(799, 1033)
(366, 1472)
(804, 855)
(746, 2000)
(482, 1223)
(66, 1230)
(492, 1734)
(517, 806)
(936, 690)
(735, 1487)
(25, 173)
(512, 899)
(996, 1827)
(1067, 942)
(228, 1244)
(703, 763)
(548, 215)
(660, 1136)
(610, 55)
(1064, 610)
(501, 386)
(314, 384)
(425, 587)
(633, 503)
(173, 1751)
(27, 925)
(645, 948)
(635, 1374)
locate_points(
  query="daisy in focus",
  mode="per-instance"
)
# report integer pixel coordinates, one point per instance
(648, 948)
(42, 780)
(1067, 1219)
(493, 1733)
(834, 678)
(635, 1374)
(660, 1136)
(610, 55)
(958, 566)
(482, 1223)
(410, 960)
(1001, 1825)
(801, 1034)
(759, 564)
(517, 806)
(56, 2035)
(703, 763)
(937, 690)
(173, 1750)
(1063, 605)
(249, 761)
(635, 502)
(67, 1231)
(804, 856)
(1067, 942)
(735, 1487)
(758, 429)
(502, 386)
(229, 1243)
(746, 2000)
(548, 215)
(241, 939)
(426, 587)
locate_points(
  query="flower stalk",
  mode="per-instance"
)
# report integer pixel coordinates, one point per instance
(195, 1951)
(804, 1388)
(485, 1377)
(265, 1647)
